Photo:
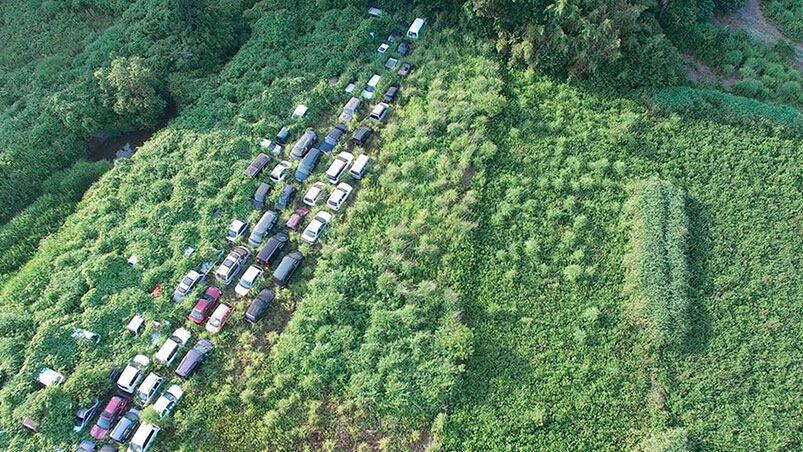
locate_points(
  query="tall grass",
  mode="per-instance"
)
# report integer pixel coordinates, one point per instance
(655, 263)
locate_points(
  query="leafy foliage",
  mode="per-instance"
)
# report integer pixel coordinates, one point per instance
(787, 14)
(655, 263)
(130, 89)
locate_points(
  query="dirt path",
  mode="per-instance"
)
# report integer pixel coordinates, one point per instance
(699, 72)
(751, 19)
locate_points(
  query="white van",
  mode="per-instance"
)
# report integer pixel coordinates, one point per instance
(370, 88)
(415, 28)
(168, 351)
(360, 165)
(314, 193)
(339, 166)
(149, 387)
(143, 438)
(132, 374)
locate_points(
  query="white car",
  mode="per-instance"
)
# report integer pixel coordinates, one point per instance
(143, 438)
(314, 192)
(339, 196)
(132, 374)
(186, 285)
(49, 377)
(280, 171)
(168, 351)
(248, 280)
(149, 387)
(236, 230)
(167, 401)
(383, 48)
(218, 318)
(339, 166)
(316, 227)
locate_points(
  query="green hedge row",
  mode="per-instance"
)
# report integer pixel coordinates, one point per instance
(655, 263)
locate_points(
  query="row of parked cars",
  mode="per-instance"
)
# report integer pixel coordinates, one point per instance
(119, 420)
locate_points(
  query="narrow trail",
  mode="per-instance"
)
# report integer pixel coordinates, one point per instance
(751, 19)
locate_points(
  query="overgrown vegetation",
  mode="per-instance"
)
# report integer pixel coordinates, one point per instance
(655, 263)
(788, 15)
(557, 361)
(470, 296)
(145, 53)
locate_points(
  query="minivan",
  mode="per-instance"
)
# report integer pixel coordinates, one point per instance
(143, 438)
(193, 358)
(370, 88)
(260, 196)
(303, 145)
(360, 165)
(132, 374)
(285, 198)
(259, 306)
(125, 426)
(333, 138)
(351, 108)
(287, 268)
(308, 164)
(272, 249)
(149, 387)
(167, 352)
(415, 28)
(339, 166)
(380, 112)
(390, 94)
(263, 226)
(361, 136)
(257, 165)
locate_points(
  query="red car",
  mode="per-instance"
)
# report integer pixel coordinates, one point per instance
(296, 219)
(108, 417)
(206, 304)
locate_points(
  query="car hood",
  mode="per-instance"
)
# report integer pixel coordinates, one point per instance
(98, 432)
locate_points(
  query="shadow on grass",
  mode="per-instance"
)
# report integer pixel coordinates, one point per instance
(701, 287)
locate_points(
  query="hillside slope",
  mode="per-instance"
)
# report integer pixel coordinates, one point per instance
(469, 297)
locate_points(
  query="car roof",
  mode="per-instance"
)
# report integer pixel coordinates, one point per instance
(266, 293)
(49, 376)
(142, 433)
(222, 308)
(236, 224)
(114, 402)
(252, 272)
(183, 334)
(150, 380)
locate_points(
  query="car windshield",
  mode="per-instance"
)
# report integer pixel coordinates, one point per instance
(105, 421)
(214, 322)
(196, 314)
(246, 283)
(186, 281)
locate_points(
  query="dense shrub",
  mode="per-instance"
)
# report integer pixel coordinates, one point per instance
(656, 261)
